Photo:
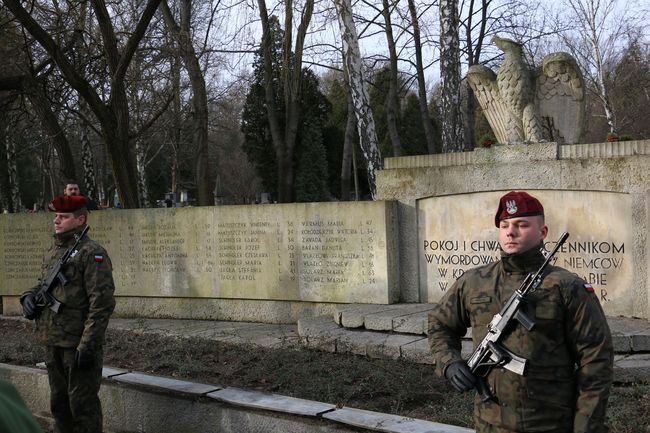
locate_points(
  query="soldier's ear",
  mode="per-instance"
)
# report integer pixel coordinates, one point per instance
(543, 232)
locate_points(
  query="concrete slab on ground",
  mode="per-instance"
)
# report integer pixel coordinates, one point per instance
(273, 402)
(406, 318)
(387, 423)
(353, 315)
(166, 383)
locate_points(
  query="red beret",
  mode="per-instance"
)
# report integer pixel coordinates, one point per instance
(517, 204)
(67, 203)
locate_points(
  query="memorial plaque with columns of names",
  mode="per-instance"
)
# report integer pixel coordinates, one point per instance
(318, 252)
(457, 233)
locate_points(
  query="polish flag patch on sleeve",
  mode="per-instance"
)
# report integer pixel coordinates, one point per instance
(588, 287)
(100, 258)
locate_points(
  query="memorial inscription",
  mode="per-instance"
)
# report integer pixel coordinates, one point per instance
(307, 252)
(597, 251)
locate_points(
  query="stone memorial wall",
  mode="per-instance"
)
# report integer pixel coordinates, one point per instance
(316, 252)
(601, 247)
(598, 192)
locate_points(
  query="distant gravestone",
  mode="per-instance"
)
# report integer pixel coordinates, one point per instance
(457, 233)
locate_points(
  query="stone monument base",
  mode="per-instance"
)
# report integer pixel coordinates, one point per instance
(236, 310)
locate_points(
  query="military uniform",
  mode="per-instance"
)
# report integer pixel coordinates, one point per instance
(79, 327)
(569, 351)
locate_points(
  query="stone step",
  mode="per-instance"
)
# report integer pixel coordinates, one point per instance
(629, 334)
(404, 318)
(322, 333)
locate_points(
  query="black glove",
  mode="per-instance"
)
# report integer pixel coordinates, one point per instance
(29, 306)
(84, 360)
(460, 376)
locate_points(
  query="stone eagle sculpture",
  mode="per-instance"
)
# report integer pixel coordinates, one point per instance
(532, 105)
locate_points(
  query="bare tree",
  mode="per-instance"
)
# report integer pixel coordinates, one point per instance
(354, 70)
(595, 43)
(450, 104)
(348, 145)
(113, 113)
(392, 101)
(23, 75)
(182, 34)
(429, 129)
(12, 169)
(284, 141)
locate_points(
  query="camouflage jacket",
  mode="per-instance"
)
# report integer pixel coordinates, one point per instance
(570, 350)
(87, 300)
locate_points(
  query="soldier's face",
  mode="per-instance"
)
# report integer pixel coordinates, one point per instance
(71, 189)
(518, 235)
(64, 221)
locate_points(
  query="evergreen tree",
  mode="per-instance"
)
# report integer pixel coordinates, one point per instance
(258, 144)
(334, 130)
(411, 128)
(377, 97)
(311, 176)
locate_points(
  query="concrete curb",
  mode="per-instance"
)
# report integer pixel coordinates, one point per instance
(136, 402)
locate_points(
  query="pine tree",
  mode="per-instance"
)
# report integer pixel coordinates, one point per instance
(258, 144)
(311, 176)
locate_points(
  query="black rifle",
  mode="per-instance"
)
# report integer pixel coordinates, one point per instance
(490, 353)
(44, 297)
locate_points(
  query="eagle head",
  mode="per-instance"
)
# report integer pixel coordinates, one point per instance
(507, 45)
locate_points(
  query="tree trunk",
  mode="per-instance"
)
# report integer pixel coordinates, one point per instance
(429, 129)
(284, 141)
(88, 165)
(12, 171)
(140, 158)
(177, 125)
(348, 146)
(4, 182)
(471, 119)
(392, 102)
(115, 130)
(602, 88)
(592, 16)
(354, 69)
(277, 133)
(451, 113)
(182, 33)
(473, 58)
(50, 124)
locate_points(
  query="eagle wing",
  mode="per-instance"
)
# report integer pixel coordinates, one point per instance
(483, 82)
(560, 95)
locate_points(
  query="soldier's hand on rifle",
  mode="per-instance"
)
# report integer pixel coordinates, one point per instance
(84, 360)
(29, 306)
(460, 376)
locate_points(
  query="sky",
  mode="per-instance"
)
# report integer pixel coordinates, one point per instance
(237, 28)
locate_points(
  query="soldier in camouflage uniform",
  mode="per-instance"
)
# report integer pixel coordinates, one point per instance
(74, 337)
(569, 351)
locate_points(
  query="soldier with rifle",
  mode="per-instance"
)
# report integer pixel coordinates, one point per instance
(543, 358)
(71, 306)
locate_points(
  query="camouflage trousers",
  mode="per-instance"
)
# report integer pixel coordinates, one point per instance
(74, 401)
